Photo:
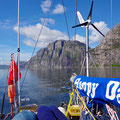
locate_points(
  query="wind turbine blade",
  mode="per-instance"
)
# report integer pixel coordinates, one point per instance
(97, 29)
(83, 24)
(81, 20)
(90, 13)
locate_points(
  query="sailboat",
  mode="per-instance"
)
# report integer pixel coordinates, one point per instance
(98, 90)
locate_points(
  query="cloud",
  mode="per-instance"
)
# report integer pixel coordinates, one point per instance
(7, 50)
(5, 57)
(47, 36)
(80, 38)
(1, 45)
(29, 42)
(95, 36)
(24, 56)
(58, 9)
(6, 24)
(47, 21)
(46, 6)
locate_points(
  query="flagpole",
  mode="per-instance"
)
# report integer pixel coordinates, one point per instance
(11, 111)
(12, 60)
(18, 53)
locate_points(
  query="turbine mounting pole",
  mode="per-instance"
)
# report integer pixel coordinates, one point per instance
(87, 50)
(87, 53)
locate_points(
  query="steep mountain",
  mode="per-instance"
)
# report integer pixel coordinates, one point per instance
(59, 54)
(67, 54)
(108, 52)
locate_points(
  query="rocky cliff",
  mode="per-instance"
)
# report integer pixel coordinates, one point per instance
(59, 54)
(108, 52)
(67, 54)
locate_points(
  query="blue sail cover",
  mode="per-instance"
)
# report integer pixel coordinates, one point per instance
(103, 90)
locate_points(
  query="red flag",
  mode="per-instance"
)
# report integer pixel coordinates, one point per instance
(13, 75)
(16, 72)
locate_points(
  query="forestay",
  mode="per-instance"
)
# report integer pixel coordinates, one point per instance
(103, 90)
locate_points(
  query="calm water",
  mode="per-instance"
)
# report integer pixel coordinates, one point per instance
(48, 87)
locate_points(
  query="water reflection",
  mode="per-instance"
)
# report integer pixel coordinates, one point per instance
(50, 87)
(105, 72)
(47, 86)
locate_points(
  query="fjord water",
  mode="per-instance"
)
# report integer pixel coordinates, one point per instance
(43, 87)
(49, 87)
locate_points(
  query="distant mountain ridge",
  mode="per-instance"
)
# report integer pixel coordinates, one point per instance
(4, 66)
(22, 65)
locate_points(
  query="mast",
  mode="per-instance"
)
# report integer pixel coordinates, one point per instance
(87, 53)
(87, 50)
(18, 52)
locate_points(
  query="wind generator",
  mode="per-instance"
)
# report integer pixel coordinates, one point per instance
(87, 23)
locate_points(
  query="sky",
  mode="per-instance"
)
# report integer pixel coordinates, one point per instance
(33, 13)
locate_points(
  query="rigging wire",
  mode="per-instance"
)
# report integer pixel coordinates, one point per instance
(98, 72)
(111, 41)
(83, 63)
(66, 20)
(39, 37)
(111, 14)
(35, 47)
(75, 20)
(75, 35)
